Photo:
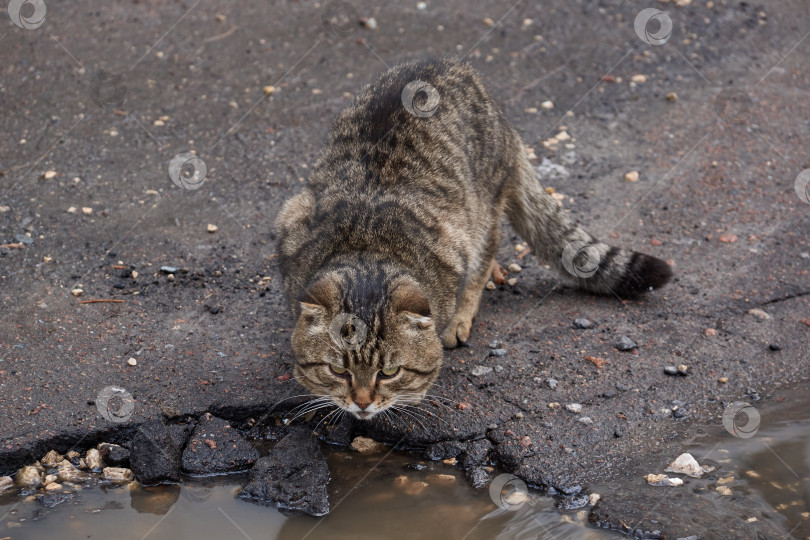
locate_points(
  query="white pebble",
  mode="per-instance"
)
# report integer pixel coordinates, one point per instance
(547, 105)
(49, 174)
(515, 268)
(132, 362)
(574, 407)
(77, 292)
(631, 176)
(86, 210)
(212, 228)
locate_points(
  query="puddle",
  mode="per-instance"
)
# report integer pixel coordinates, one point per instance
(769, 470)
(367, 502)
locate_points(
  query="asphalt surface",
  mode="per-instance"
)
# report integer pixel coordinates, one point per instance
(98, 100)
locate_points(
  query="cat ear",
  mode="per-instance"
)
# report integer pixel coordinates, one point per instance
(319, 297)
(411, 301)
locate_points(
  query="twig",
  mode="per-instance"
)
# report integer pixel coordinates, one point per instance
(98, 301)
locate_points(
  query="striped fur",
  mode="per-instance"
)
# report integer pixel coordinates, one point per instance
(397, 228)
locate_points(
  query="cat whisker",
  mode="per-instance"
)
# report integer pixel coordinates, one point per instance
(411, 415)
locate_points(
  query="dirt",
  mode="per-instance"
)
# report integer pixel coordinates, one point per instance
(212, 335)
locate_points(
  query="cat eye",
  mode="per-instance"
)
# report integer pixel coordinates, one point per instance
(389, 371)
(337, 370)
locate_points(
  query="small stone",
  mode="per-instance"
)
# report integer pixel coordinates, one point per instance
(72, 210)
(723, 490)
(710, 332)
(618, 432)
(511, 282)
(514, 268)
(415, 488)
(594, 498)
(77, 292)
(269, 90)
(212, 228)
(220, 17)
(722, 380)
(86, 210)
(497, 352)
(28, 477)
(586, 420)
(582, 324)
(487, 21)
(631, 176)
(117, 474)
(93, 460)
(670, 370)
(775, 347)
(132, 362)
(672, 96)
(683, 369)
(53, 487)
(547, 105)
(366, 446)
(4, 209)
(639, 78)
(159, 123)
(169, 269)
(52, 459)
(421, 6)
(490, 286)
(662, 480)
(115, 455)
(441, 479)
(728, 238)
(480, 371)
(494, 344)
(6, 483)
(574, 407)
(552, 383)
(47, 259)
(679, 412)
(73, 456)
(759, 314)
(625, 344)
(50, 479)
(170, 277)
(49, 174)
(67, 472)
(688, 465)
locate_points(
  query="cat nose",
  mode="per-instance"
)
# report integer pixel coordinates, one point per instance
(362, 404)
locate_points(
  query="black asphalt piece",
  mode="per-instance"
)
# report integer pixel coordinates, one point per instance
(293, 475)
(216, 447)
(716, 196)
(155, 454)
(114, 455)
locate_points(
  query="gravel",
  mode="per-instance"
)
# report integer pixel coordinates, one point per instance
(582, 324)
(625, 344)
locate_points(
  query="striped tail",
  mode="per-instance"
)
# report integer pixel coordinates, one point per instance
(573, 252)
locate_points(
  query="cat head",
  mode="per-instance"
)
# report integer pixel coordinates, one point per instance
(366, 345)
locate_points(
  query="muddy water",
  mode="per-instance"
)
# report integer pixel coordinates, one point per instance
(370, 500)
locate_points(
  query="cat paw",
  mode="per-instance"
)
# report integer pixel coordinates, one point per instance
(456, 334)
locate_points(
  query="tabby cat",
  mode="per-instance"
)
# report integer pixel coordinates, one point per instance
(386, 250)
